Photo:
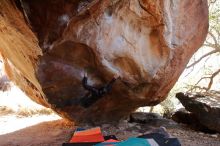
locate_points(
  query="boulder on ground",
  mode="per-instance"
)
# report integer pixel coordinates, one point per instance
(190, 119)
(152, 119)
(205, 108)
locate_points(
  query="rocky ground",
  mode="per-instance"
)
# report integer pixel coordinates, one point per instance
(58, 131)
(190, 137)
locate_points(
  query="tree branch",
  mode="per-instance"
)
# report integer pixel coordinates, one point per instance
(213, 37)
(212, 78)
(211, 2)
(202, 57)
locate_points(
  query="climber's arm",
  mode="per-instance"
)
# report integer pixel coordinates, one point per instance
(110, 84)
(88, 87)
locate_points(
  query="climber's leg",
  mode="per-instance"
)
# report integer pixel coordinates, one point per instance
(110, 84)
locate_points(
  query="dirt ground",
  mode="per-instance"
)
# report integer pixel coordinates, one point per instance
(189, 137)
(54, 133)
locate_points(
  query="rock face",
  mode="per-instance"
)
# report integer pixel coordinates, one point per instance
(191, 120)
(205, 109)
(184, 116)
(47, 45)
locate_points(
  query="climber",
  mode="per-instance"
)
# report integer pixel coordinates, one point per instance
(94, 92)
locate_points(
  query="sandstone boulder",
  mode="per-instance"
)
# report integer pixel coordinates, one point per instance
(190, 119)
(47, 46)
(206, 110)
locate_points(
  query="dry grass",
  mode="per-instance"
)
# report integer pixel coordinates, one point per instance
(27, 112)
(4, 110)
(24, 112)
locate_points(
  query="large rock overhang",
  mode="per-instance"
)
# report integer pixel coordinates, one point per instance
(47, 45)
